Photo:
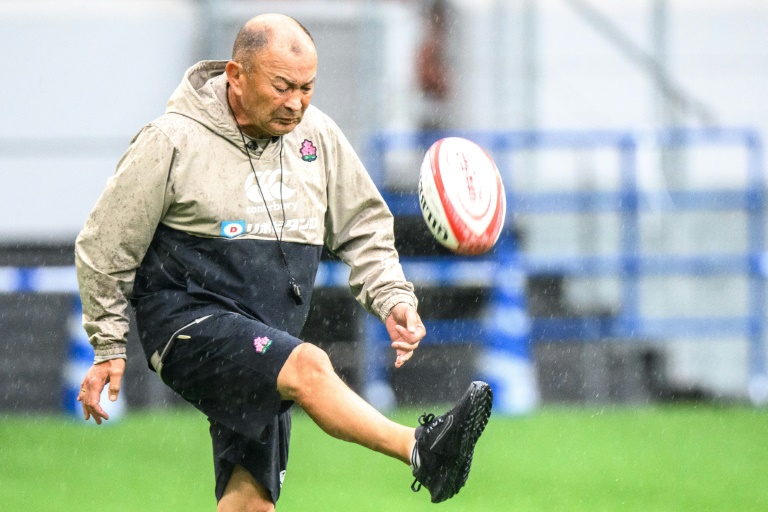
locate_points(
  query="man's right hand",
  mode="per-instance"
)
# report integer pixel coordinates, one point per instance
(93, 384)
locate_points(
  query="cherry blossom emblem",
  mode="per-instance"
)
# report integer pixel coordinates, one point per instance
(261, 344)
(308, 151)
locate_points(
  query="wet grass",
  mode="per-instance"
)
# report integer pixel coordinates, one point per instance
(668, 458)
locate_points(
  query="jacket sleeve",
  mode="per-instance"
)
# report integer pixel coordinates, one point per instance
(359, 229)
(116, 236)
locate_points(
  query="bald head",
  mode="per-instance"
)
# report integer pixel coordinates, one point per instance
(271, 75)
(268, 30)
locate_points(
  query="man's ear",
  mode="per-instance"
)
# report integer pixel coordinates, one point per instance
(235, 73)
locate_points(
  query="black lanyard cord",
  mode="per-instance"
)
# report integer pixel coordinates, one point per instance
(294, 290)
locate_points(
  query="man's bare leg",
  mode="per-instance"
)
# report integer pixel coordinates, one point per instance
(446, 443)
(308, 379)
(244, 494)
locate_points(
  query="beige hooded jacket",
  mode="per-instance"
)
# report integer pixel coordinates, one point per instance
(185, 211)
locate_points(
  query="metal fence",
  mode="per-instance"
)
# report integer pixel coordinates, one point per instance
(629, 262)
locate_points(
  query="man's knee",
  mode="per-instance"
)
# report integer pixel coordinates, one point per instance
(306, 368)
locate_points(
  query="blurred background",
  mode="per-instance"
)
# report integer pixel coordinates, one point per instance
(630, 137)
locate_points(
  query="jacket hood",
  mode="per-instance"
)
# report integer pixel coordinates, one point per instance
(202, 96)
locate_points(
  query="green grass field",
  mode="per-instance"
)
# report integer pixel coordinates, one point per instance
(564, 459)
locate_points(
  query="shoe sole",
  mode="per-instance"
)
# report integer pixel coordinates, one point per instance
(481, 402)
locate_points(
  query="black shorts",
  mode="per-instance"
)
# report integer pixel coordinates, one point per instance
(226, 365)
(265, 459)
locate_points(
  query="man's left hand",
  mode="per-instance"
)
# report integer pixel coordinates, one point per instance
(406, 331)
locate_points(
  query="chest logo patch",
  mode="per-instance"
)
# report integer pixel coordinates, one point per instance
(308, 151)
(232, 228)
(272, 186)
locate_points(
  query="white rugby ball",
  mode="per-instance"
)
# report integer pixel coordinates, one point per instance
(462, 196)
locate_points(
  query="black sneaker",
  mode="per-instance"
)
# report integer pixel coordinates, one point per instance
(446, 443)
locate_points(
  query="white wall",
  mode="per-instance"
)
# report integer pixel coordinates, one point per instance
(81, 78)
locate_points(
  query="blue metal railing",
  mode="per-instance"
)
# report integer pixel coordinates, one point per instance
(629, 263)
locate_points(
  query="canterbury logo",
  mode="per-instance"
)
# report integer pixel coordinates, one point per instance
(270, 186)
(446, 428)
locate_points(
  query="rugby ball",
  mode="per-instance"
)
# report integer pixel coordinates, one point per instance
(462, 196)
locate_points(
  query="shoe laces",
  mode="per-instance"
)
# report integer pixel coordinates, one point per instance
(425, 419)
(428, 422)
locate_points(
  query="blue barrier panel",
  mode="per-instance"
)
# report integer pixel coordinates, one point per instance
(79, 350)
(79, 360)
(628, 202)
(506, 361)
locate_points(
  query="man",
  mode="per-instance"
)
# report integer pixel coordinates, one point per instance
(213, 227)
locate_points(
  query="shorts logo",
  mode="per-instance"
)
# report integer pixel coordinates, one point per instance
(308, 151)
(232, 228)
(261, 344)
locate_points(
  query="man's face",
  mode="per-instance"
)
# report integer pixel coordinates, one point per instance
(276, 91)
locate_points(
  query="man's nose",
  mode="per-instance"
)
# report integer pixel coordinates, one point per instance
(294, 102)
